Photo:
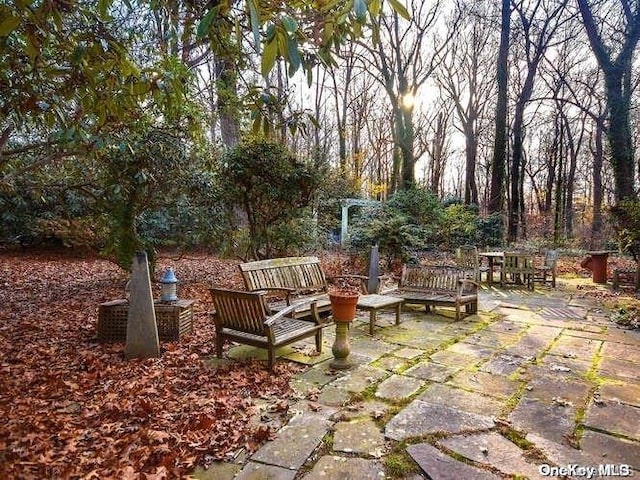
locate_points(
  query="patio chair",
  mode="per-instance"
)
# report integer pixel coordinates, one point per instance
(467, 261)
(245, 317)
(548, 268)
(518, 267)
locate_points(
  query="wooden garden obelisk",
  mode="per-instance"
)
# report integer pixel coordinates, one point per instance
(142, 331)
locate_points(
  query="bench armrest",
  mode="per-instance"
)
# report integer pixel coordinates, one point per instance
(291, 309)
(278, 315)
(464, 281)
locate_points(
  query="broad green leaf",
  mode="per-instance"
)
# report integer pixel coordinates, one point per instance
(8, 25)
(329, 6)
(139, 88)
(269, 56)
(325, 56)
(360, 9)
(374, 7)
(271, 32)
(342, 18)
(205, 23)
(400, 9)
(281, 36)
(314, 121)
(255, 23)
(290, 24)
(328, 31)
(309, 77)
(293, 55)
(57, 20)
(357, 29)
(31, 50)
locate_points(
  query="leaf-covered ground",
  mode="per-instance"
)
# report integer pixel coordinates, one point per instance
(72, 407)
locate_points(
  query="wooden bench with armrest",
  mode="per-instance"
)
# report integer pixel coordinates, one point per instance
(245, 317)
(297, 279)
(437, 287)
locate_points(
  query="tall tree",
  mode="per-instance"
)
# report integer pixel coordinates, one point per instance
(621, 26)
(539, 21)
(405, 57)
(463, 77)
(499, 161)
(67, 78)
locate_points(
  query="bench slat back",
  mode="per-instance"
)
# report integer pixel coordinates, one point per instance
(243, 311)
(517, 263)
(550, 259)
(467, 260)
(301, 273)
(424, 278)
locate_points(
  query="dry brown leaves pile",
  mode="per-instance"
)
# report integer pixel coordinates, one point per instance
(71, 407)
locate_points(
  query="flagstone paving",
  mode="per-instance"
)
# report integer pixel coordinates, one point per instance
(533, 381)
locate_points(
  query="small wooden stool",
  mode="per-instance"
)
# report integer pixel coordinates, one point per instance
(374, 302)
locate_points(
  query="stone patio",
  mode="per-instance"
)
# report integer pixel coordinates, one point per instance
(535, 385)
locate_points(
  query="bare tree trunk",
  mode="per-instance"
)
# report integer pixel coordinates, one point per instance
(499, 162)
(471, 152)
(557, 222)
(617, 74)
(598, 193)
(516, 169)
(437, 153)
(226, 87)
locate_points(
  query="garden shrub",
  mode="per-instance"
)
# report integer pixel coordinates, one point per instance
(490, 230)
(271, 187)
(403, 225)
(458, 225)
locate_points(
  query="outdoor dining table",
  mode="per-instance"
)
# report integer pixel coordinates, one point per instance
(491, 259)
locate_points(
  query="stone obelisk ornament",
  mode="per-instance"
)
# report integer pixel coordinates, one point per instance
(142, 331)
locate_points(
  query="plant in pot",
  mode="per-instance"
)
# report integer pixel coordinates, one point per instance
(344, 298)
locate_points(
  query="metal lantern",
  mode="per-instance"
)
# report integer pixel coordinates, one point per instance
(169, 286)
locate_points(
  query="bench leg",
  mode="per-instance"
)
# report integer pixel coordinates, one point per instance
(319, 340)
(398, 312)
(372, 320)
(219, 342)
(271, 358)
(457, 312)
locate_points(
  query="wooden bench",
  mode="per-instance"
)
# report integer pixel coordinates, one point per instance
(297, 279)
(245, 317)
(437, 287)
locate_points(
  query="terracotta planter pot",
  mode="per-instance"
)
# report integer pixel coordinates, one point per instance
(343, 306)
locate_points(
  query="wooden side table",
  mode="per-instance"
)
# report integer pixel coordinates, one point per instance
(374, 302)
(174, 320)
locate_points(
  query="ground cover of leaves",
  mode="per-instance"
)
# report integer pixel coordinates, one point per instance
(74, 408)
